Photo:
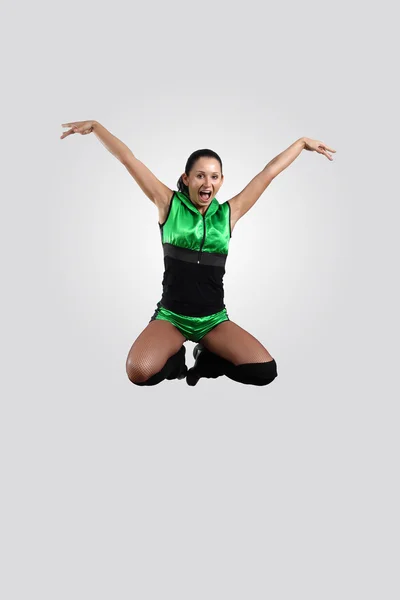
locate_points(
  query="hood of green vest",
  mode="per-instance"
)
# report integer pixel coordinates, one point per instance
(212, 207)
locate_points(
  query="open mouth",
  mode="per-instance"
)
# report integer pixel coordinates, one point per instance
(205, 195)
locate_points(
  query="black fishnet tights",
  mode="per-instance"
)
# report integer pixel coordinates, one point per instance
(159, 343)
(235, 344)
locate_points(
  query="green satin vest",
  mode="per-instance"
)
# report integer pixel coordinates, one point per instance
(186, 227)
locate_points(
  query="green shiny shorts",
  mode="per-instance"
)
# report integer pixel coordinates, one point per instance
(193, 328)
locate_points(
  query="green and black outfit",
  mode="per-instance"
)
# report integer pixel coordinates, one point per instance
(195, 251)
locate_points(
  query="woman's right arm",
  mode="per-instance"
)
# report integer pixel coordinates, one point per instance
(154, 189)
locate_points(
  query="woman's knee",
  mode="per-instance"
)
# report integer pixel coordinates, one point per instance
(173, 368)
(142, 363)
(137, 372)
(151, 350)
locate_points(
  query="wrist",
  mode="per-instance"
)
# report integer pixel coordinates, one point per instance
(303, 140)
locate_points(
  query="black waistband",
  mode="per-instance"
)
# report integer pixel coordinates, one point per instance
(213, 259)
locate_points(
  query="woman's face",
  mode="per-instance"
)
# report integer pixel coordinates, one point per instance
(205, 175)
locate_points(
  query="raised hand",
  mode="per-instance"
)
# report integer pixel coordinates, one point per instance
(82, 127)
(317, 146)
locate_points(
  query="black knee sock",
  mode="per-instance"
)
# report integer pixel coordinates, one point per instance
(211, 365)
(174, 367)
(253, 373)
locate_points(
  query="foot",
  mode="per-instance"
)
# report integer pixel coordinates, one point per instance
(183, 373)
(197, 350)
(207, 364)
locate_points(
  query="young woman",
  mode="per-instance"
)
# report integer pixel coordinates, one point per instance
(195, 232)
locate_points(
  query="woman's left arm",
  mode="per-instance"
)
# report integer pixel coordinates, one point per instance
(242, 202)
(285, 158)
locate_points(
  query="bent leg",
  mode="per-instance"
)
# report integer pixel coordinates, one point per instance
(232, 351)
(157, 354)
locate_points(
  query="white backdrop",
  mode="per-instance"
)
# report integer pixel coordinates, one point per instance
(224, 490)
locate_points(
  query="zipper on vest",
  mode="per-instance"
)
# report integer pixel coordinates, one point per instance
(204, 237)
